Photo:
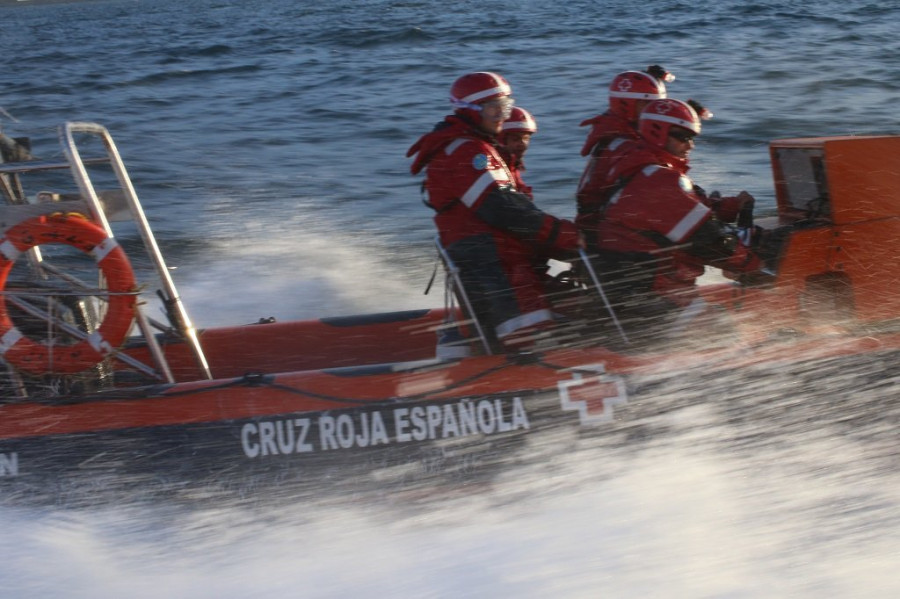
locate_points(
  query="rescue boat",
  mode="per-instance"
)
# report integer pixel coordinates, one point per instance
(93, 386)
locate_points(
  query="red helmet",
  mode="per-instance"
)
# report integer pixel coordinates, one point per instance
(659, 116)
(520, 120)
(472, 89)
(628, 88)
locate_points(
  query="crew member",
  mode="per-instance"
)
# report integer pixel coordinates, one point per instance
(489, 227)
(629, 92)
(514, 141)
(656, 229)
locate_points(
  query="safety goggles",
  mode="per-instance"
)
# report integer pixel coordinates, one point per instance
(682, 135)
(503, 105)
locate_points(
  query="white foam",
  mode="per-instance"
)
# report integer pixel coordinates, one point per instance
(310, 276)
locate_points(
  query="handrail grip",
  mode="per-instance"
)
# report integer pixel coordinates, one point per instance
(180, 317)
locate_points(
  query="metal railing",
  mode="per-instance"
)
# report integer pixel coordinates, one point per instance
(92, 204)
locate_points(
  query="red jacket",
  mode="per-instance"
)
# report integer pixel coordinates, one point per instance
(472, 190)
(516, 167)
(606, 129)
(653, 207)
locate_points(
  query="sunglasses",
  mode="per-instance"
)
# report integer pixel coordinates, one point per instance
(682, 135)
(503, 106)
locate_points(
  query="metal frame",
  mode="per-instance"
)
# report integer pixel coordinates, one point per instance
(90, 203)
(596, 281)
(455, 285)
(177, 313)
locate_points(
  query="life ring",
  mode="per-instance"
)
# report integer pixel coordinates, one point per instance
(74, 230)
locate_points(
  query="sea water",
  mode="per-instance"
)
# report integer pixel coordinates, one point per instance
(267, 141)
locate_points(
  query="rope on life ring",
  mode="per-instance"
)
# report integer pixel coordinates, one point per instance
(39, 358)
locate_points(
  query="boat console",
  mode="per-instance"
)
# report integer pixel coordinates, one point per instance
(841, 198)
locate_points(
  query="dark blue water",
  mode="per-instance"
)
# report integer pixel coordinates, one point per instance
(267, 140)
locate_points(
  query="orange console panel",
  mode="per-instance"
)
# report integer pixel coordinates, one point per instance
(842, 197)
(839, 179)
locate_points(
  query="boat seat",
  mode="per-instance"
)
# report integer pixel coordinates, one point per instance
(455, 290)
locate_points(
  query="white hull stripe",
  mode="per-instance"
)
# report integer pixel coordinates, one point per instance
(512, 325)
(483, 182)
(687, 224)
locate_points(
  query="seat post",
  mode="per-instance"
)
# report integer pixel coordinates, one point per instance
(596, 281)
(454, 281)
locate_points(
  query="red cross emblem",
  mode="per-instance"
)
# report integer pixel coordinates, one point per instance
(665, 107)
(593, 393)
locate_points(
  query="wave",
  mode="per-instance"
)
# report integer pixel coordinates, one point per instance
(156, 78)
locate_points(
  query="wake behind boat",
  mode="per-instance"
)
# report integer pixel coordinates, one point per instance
(94, 387)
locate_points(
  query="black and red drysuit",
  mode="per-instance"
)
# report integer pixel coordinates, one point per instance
(489, 228)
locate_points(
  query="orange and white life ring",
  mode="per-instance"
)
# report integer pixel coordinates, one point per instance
(39, 358)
